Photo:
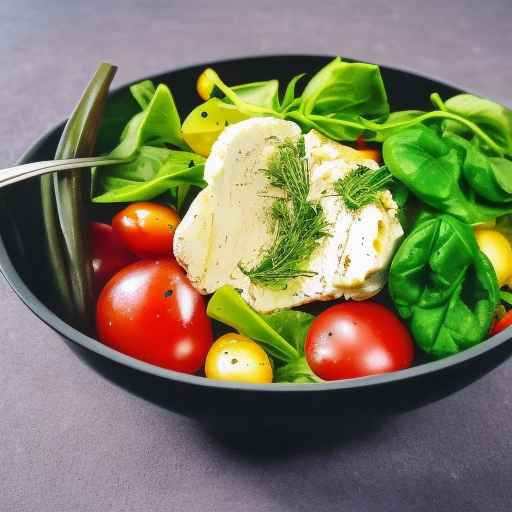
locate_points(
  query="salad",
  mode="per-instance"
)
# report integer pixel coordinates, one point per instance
(327, 236)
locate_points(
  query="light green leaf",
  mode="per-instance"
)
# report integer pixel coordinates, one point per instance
(158, 124)
(350, 89)
(143, 92)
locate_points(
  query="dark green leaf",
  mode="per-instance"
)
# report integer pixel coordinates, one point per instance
(492, 118)
(432, 170)
(444, 285)
(490, 178)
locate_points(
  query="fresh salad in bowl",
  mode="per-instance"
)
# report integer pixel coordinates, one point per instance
(330, 237)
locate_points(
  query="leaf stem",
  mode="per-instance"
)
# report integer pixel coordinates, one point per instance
(245, 108)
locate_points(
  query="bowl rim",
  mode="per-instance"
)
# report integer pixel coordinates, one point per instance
(89, 343)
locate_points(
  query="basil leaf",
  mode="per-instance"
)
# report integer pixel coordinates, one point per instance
(432, 170)
(444, 285)
(292, 325)
(351, 89)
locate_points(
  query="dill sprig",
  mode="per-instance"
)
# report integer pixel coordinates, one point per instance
(359, 187)
(299, 223)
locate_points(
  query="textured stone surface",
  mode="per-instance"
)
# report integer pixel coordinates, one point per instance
(72, 441)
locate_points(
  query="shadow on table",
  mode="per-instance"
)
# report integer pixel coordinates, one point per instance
(260, 441)
(279, 422)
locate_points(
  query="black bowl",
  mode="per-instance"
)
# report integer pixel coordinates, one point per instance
(22, 239)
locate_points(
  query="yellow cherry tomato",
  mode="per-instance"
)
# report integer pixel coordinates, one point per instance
(206, 122)
(237, 358)
(497, 248)
(204, 86)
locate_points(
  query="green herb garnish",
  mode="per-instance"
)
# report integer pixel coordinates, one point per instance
(360, 186)
(300, 224)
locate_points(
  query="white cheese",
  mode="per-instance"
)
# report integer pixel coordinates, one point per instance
(229, 223)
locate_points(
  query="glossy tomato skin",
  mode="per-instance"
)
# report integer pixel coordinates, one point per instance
(147, 229)
(502, 324)
(356, 339)
(108, 253)
(236, 358)
(150, 311)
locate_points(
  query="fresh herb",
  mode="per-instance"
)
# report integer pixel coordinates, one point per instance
(299, 223)
(361, 185)
(449, 174)
(444, 285)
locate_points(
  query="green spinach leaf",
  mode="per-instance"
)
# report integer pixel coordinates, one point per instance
(263, 94)
(143, 92)
(292, 325)
(491, 178)
(158, 124)
(227, 306)
(289, 99)
(494, 119)
(432, 169)
(348, 89)
(168, 177)
(444, 285)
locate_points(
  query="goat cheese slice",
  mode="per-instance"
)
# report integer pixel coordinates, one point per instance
(229, 222)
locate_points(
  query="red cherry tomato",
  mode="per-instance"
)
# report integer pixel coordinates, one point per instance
(502, 324)
(150, 311)
(147, 229)
(354, 339)
(108, 254)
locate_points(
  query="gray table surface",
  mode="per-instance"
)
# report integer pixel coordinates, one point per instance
(72, 441)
